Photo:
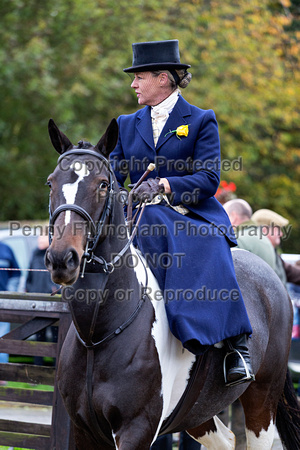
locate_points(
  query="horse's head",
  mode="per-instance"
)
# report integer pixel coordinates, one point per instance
(80, 200)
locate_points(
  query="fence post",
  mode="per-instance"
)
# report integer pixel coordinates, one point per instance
(32, 313)
(62, 437)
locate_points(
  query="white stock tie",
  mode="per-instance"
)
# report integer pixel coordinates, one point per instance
(159, 118)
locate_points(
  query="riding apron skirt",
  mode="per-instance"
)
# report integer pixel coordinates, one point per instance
(191, 259)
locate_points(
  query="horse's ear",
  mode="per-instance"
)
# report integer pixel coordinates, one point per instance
(59, 141)
(109, 140)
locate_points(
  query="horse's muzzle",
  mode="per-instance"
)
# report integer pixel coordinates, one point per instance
(63, 266)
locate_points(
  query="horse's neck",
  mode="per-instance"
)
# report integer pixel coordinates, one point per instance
(123, 290)
(111, 297)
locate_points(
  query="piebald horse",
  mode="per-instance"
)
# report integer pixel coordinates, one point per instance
(124, 378)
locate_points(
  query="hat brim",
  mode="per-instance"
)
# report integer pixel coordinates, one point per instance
(150, 67)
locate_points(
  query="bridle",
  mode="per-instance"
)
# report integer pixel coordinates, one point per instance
(95, 230)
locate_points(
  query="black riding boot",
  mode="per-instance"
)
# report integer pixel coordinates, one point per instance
(237, 365)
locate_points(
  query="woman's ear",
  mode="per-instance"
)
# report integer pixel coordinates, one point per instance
(163, 81)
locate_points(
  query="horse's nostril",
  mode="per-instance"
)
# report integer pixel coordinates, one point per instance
(71, 259)
(47, 260)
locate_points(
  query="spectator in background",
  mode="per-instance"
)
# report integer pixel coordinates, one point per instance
(248, 234)
(9, 281)
(295, 289)
(40, 282)
(272, 224)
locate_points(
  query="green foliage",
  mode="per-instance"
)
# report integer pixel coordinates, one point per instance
(10, 448)
(32, 387)
(64, 58)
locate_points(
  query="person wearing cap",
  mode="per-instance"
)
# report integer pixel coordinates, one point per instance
(272, 225)
(247, 232)
(203, 301)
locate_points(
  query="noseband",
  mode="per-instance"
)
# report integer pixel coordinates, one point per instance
(95, 230)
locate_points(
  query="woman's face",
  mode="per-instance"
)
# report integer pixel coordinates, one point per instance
(150, 90)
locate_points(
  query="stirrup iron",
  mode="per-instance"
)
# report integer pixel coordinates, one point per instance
(247, 377)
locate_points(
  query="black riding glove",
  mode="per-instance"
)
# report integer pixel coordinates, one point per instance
(147, 190)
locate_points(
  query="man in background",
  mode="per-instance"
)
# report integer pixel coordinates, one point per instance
(248, 233)
(39, 281)
(272, 225)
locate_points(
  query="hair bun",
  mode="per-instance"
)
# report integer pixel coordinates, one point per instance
(185, 80)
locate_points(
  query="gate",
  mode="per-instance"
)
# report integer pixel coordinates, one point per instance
(31, 313)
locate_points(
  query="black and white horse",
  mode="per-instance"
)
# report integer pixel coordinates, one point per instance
(123, 376)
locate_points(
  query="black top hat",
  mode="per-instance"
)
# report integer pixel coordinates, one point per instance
(156, 55)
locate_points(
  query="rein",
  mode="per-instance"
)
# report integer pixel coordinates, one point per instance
(109, 267)
(115, 333)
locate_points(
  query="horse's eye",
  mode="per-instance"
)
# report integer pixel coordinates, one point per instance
(103, 185)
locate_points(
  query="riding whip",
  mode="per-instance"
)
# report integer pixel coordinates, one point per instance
(150, 168)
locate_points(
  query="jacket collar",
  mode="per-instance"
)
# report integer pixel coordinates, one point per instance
(179, 116)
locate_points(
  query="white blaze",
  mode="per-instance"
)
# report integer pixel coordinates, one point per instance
(70, 189)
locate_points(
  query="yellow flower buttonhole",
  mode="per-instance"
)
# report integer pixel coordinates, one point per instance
(183, 130)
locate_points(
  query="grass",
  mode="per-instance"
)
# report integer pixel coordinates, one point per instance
(14, 448)
(33, 387)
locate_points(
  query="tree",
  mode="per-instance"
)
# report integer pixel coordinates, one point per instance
(246, 66)
(64, 58)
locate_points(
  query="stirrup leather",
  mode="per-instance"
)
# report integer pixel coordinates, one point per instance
(247, 377)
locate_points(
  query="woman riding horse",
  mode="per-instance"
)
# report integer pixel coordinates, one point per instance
(124, 378)
(189, 236)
